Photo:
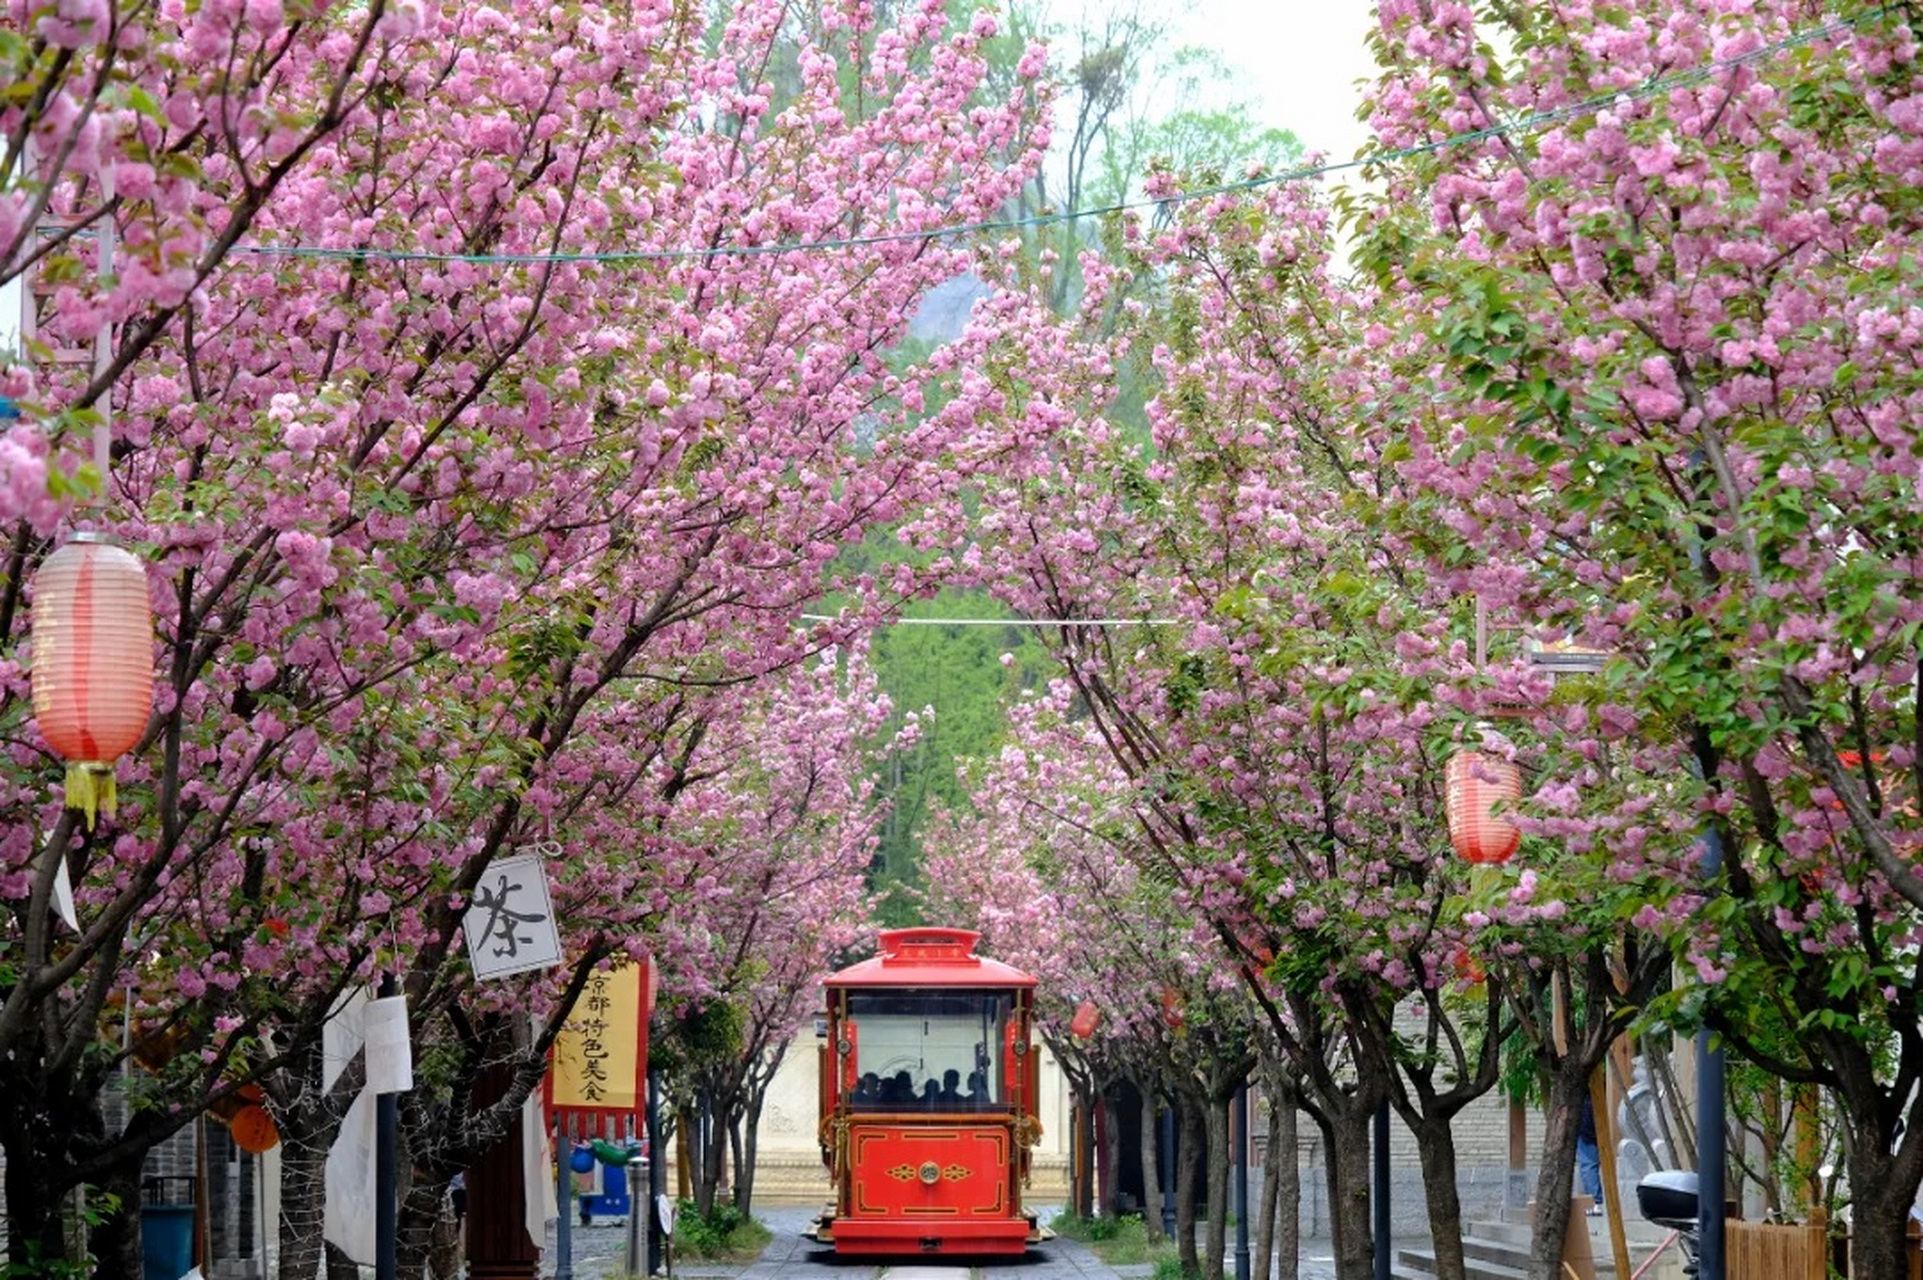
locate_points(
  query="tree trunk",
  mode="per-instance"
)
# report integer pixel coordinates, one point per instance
(1567, 1089)
(33, 1203)
(1436, 1151)
(115, 1243)
(443, 1260)
(1082, 1152)
(744, 1171)
(1281, 1220)
(1108, 1154)
(1220, 1162)
(1880, 1204)
(1151, 1152)
(709, 1166)
(1188, 1173)
(685, 1136)
(1346, 1135)
(421, 1208)
(303, 1190)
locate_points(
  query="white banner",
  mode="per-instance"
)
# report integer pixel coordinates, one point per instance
(390, 1051)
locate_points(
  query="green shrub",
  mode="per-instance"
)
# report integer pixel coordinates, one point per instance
(726, 1234)
(1119, 1242)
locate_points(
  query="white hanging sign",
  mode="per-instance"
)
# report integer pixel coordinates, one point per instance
(390, 1051)
(510, 923)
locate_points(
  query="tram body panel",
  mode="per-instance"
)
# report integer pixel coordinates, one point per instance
(928, 1100)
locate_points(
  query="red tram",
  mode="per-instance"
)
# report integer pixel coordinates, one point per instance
(928, 1100)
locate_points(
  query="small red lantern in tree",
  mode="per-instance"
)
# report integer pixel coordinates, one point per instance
(93, 663)
(1477, 782)
(1087, 1018)
(1172, 1008)
(1468, 968)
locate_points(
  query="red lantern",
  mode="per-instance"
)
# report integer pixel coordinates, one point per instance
(1476, 783)
(1172, 1008)
(93, 663)
(253, 1130)
(1087, 1018)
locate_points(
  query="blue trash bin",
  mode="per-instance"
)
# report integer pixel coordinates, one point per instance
(166, 1241)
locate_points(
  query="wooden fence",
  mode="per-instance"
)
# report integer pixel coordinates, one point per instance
(1767, 1251)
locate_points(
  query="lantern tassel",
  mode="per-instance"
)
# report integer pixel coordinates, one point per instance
(90, 789)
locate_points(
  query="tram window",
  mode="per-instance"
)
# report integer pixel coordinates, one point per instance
(927, 1050)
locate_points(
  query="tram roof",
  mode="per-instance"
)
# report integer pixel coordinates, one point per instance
(930, 957)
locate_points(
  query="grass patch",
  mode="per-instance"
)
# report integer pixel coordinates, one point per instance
(726, 1235)
(1119, 1242)
(1169, 1268)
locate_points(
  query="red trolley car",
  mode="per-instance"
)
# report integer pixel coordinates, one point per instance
(928, 1100)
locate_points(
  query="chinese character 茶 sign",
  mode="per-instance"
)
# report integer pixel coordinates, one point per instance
(510, 922)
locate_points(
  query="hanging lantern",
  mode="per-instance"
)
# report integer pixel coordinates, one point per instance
(1476, 783)
(1087, 1018)
(93, 663)
(1468, 969)
(253, 1129)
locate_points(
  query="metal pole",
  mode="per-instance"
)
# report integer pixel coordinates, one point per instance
(638, 1207)
(564, 1200)
(1241, 1144)
(657, 1169)
(1379, 1193)
(1710, 1125)
(387, 1183)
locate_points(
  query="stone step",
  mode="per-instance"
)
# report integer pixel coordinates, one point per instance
(1502, 1252)
(1413, 1263)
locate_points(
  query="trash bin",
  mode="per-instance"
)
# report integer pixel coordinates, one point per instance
(166, 1228)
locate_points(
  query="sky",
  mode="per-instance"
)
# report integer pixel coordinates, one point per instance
(1299, 60)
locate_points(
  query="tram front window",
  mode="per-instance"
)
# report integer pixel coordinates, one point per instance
(929, 1051)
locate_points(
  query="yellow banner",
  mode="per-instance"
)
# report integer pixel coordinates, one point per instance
(597, 1056)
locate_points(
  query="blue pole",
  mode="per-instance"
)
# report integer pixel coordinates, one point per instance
(1379, 1194)
(1241, 1142)
(387, 1182)
(657, 1171)
(564, 1200)
(1710, 1124)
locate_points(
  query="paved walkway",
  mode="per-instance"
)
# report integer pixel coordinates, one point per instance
(599, 1255)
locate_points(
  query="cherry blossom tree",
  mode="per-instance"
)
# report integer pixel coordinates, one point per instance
(774, 850)
(450, 549)
(1043, 866)
(146, 121)
(1651, 364)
